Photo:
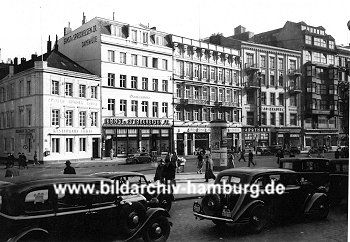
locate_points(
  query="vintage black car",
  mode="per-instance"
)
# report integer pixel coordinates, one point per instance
(298, 199)
(339, 180)
(163, 200)
(315, 170)
(32, 210)
(138, 158)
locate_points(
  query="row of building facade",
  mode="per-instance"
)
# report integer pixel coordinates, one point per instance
(109, 85)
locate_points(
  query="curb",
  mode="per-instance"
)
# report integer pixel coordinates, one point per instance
(187, 198)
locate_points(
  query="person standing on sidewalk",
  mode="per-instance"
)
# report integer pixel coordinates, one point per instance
(242, 156)
(111, 153)
(209, 169)
(230, 160)
(69, 169)
(200, 163)
(35, 158)
(250, 158)
(159, 176)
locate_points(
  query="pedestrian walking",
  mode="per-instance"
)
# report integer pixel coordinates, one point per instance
(22, 161)
(230, 160)
(209, 169)
(200, 163)
(111, 153)
(250, 158)
(11, 171)
(169, 174)
(159, 176)
(35, 158)
(69, 169)
(242, 156)
(10, 160)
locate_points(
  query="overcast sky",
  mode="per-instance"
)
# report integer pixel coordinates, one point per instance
(23, 22)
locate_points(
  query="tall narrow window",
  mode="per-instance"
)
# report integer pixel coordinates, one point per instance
(165, 85)
(111, 80)
(111, 56)
(155, 84)
(134, 60)
(82, 90)
(144, 108)
(69, 144)
(111, 106)
(93, 119)
(122, 59)
(134, 82)
(82, 118)
(55, 117)
(94, 92)
(55, 144)
(155, 109)
(69, 118)
(69, 89)
(122, 106)
(122, 81)
(134, 107)
(55, 88)
(165, 109)
(82, 144)
(144, 83)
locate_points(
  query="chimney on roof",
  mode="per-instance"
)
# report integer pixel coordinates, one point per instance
(11, 70)
(154, 28)
(239, 30)
(84, 19)
(113, 15)
(48, 49)
(34, 56)
(15, 61)
(23, 60)
(67, 30)
(56, 44)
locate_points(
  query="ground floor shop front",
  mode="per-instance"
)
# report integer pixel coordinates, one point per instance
(329, 138)
(130, 136)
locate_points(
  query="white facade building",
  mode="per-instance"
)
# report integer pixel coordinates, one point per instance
(135, 65)
(51, 107)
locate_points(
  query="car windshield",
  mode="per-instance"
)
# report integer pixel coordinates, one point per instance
(230, 179)
(287, 165)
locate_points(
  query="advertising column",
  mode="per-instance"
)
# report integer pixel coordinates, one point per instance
(218, 144)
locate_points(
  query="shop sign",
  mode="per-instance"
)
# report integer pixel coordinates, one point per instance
(233, 130)
(274, 109)
(72, 131)
(25, 131)
(256, 129)
(282, 130)
(80, 34)
(294, 135)
(136, 122)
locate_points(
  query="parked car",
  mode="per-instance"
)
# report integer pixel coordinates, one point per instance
(293, 150)
(163, 200)
(299, 199)
(339, 180)
(263, 150)
(139, 158)
(31, 210)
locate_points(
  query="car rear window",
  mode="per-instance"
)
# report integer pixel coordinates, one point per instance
(287, 165)
(38, 200)
(230, 179)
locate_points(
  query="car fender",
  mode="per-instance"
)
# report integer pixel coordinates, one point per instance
(246, 207)
(150, 214)
(27, 231)
(312, 200)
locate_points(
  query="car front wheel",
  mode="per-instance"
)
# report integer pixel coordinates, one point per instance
(319, 209)
(158, 229)
(165, 202)
(259, 219)
(131, 217)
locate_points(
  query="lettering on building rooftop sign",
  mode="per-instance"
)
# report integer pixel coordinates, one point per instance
(90, 41)
(135, 122)
(272, 109)
(80, 34)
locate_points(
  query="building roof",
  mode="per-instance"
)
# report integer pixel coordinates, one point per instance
(54, 59)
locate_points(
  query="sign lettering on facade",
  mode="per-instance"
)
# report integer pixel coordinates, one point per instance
(80, 34)
(135, 122)
(272, 109)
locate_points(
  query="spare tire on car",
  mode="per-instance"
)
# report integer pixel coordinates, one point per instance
(131, 217)
(211, 204)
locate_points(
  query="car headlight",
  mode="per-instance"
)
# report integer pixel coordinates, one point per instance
(196, 207)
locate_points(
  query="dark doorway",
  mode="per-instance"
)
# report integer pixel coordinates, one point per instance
(95, 147)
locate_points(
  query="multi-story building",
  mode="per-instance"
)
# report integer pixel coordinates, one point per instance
(49, 105)
(207, 87)
(271, 91)
(319, 67)
(343, 60)
(135, 65)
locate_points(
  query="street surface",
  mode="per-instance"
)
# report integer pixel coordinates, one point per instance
(187, 228)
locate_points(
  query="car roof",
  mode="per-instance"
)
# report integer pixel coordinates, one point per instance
(254, 171)
(294, 159)
(116, 174)
(27, 181)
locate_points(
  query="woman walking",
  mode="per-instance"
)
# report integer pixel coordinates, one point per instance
(209, 169)
(200, 163)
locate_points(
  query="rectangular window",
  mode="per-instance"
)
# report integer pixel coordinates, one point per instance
(29, 115)
(134, 82)
(93, 119)
(29, 88)
(263, 98)
(293, 119)
(69, 118)
(280, 64)
(292, 65)
(155, 109)
(165, 64)
(272, 99)
(155, 85)
(204, 72)
(280, 79)
(281, 99)
(155, 62)
(111, 80)
(122, 81)
(55, 88)
(82, 90)
(250, 59)
(69, 144)
(212, 73)
(122, 58)
(134, 35)
(250, 118)
(263, 79)
(281, 115)
(331, 44)
(111, 105)
(122, 106)
(55, 117)
(111, 56)
(134, 60)
(55, 142)
(144, 107)
(145, 38)
(178, 91)
(196, 70)
(165, 85)
(273, 118)
(134, 107)
(250, 97)
(144, 83)
(272, 63)
(263, 118)
(144, 61)
(263, 61)
(94, 92)
(82, 118)
(272, 80)
(69, 89)
(165, 109)
(293, 100)
(308, 39)
(82, 144)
